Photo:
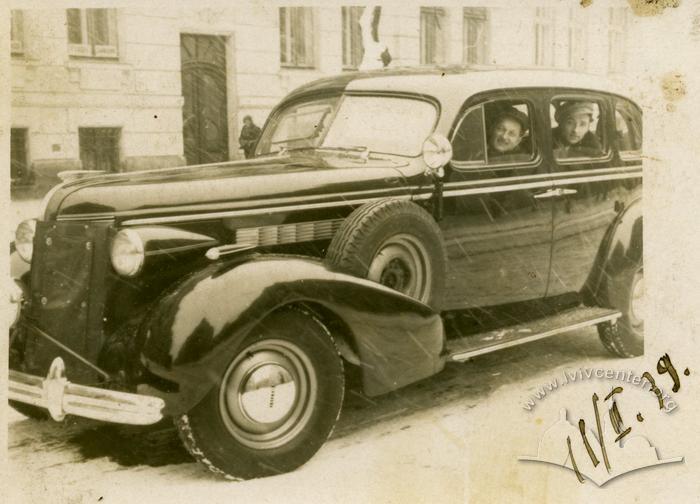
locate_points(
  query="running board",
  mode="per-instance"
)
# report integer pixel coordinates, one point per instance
(478, 344)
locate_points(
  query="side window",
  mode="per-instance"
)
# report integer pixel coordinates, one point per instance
(577, 129)
(628, 129)
(495, 133)
(468, 141)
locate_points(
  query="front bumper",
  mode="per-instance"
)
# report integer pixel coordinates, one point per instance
(60, 397)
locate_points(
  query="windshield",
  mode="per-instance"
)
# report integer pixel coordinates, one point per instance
(382, 124)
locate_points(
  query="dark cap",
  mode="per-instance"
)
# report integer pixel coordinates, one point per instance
(513, 113)
(571, 108)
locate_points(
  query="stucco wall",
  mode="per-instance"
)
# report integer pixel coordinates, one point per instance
(53, 94)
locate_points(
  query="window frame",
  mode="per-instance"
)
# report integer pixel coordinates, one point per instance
(96, 131)
(617, 35)
(87, 48)
(603, 109)
(349, 15)
(24, 134)
(628, 155)
(577, 57)
(286, 32)
(439, 13)
(480, 14)
(470, 166)
(545, 18)
(16, 32)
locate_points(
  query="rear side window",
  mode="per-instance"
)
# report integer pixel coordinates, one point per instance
(495, 133)
(577, 129)
(628, 129)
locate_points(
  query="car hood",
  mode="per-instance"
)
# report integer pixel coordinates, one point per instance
(271, 181)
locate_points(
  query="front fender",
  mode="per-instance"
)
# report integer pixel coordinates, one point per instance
(195, 330)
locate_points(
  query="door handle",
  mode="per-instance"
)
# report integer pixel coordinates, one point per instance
(554, 193)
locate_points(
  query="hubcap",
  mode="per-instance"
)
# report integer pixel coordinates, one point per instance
(267, 394)
(637, 299)
(402, 264)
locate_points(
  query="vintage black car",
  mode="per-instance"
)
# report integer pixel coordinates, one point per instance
(391, 221)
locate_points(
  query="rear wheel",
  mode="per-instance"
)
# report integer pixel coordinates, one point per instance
(275, 405)
(625, 338)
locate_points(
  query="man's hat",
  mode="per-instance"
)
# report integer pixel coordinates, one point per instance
(513, 113)
(571, 108)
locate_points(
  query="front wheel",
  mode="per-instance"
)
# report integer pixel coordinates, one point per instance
(276, 403)
(625, 338)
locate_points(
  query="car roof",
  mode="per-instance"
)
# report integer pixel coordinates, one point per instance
(442, 82)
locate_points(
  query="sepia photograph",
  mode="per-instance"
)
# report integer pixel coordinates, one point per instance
(318, 252)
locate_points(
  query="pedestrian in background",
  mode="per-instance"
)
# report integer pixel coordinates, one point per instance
(249, 136)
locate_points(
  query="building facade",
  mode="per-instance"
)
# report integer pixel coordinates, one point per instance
(129, 89)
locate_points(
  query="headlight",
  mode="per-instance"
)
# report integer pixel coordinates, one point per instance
(437, 152)
(127, 253)
(24, 239)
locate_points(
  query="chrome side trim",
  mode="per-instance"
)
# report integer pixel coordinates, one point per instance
(462, 356)
(450, 189)
(533, 185)
(254, 211)
(61, 397)
(226, 205)
(288, 233)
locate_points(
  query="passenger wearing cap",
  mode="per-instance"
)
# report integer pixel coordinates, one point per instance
(506, 136)
(572, 136)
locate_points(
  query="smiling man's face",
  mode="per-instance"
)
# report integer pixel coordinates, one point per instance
(506, 135)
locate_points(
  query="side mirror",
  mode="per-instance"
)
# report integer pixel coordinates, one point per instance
(437, 152)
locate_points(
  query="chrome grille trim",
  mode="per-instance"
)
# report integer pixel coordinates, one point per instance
(288, 233)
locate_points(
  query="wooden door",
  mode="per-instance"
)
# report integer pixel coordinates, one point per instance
(205, 128)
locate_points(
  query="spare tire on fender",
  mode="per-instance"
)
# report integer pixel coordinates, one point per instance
(395, 243)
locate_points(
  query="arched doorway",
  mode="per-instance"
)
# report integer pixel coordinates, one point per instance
(204, 114)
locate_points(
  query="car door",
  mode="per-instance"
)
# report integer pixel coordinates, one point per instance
(497, 232)
(592, 184)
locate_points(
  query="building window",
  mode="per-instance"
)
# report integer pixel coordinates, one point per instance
(617, 25)
(92, 32)
(17, 32)
(475, 35)
(577, 22)
(19, 170)
(433, 31)
(99, 148)
(297, 36)
(352, 37)
(544, 33)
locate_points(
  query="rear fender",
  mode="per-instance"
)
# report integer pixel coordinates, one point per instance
(622, 248)
(193, 331)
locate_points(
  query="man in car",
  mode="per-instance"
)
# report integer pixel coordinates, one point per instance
(508, 130)
(572, 137)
